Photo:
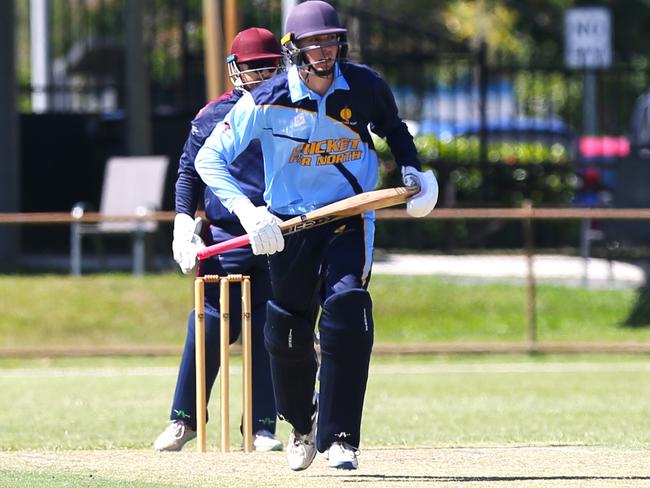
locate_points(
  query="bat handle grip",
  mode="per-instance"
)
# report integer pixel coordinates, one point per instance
(235, 242)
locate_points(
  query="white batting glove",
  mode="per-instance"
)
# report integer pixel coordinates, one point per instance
(423, 202)
(186, 243)
(262, 227)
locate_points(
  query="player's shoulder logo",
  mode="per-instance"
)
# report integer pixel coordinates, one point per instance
(299, 120)
(346, 115)
(224, 126)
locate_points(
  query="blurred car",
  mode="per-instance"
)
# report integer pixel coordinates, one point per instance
(453, 113)
(521, 129)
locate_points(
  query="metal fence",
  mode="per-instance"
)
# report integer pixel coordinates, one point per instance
(497, 132)
(500, 133)
(84, 43)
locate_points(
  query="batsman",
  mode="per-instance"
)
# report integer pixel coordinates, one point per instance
(313, 123)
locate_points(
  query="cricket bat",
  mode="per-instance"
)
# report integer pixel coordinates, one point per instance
(358, 204)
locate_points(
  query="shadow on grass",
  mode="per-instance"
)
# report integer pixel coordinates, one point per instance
(369, 478)
(640, 314)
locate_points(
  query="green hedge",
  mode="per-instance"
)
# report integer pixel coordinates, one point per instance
(513, 170)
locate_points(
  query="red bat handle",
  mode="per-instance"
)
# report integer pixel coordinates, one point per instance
(234, 243)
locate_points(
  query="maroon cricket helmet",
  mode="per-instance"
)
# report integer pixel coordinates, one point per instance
(255, 43)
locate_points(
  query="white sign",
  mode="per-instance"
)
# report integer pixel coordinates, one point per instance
(588, 38)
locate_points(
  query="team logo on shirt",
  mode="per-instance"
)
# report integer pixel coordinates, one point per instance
(346, 115)
(327, 151)
(299, 121)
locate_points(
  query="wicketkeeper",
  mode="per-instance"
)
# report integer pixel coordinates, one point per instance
(255, 56)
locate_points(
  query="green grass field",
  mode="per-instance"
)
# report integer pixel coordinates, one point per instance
(427, 402)
(414, 401)
(124, 310)
(458, 409)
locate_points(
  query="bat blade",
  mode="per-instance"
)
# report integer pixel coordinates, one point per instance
(358, 204)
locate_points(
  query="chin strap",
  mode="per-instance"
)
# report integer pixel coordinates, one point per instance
(321, 74)
(306, 73)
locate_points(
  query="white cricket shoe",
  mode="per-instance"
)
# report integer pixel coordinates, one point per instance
(174, 437)
(301, 448)
(266, 441)
(342, 455)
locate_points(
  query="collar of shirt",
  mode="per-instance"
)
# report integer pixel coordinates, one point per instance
(299, 90)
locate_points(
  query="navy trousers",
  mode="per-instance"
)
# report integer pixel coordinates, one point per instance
(332, 260)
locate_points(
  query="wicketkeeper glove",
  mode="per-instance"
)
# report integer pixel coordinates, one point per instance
(262, 227)
(423, 202)
(186, 243)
